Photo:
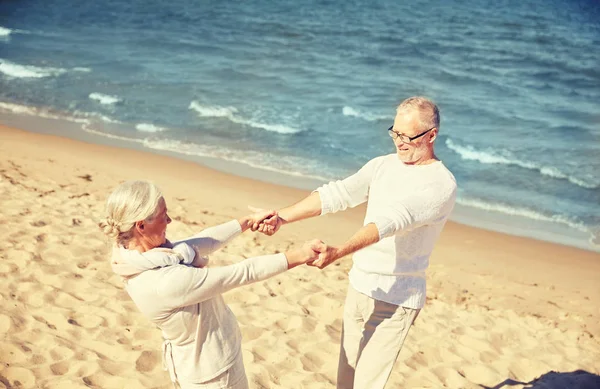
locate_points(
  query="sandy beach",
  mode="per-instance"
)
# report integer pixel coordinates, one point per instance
(502, 311)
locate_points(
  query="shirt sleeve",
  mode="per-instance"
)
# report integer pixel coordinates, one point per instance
(195, 285)
(339, 195)
(412, 212)
(211, 239)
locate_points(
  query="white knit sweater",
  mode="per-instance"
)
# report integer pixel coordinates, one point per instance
(409, 204)
(202, 338)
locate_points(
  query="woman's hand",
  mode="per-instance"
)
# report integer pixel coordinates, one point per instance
(269, 226)
(309, 252)
(256, 218)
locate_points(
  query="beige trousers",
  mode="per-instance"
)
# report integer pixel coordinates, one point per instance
(233, 378)
(373, 332)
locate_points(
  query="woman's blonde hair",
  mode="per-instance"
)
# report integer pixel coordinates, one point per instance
(130, 202)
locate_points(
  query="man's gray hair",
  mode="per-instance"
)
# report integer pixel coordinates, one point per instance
(429, 114)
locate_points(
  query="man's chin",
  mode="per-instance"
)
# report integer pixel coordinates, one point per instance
(403, 157)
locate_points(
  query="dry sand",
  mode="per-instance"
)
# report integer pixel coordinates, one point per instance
(501, 312)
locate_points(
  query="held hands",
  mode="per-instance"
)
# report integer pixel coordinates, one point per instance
(271, 225)
(308, 252)
(253, 220)
(268, 225)
(327, 255)
(313, 253)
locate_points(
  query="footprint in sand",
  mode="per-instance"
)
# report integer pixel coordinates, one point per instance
(100, 379)
(60, 353)
(19, 377)
(12, 353)
(481, 374)
(60, 368)
(89, 321)
(313, 360)
(450, 377)
(147, 361)
(113, 368)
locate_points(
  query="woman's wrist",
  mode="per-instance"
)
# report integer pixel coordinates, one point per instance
(294, 258)
(244, 222)
(300, 256)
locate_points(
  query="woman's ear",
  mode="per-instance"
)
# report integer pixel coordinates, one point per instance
(139, 226)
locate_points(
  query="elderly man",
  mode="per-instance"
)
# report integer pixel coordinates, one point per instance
(410, 195)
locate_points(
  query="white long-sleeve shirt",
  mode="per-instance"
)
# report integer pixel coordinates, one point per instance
(409, 205)
(202, 337)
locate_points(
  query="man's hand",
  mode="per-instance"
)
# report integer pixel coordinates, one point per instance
(308, 252)
(271, 225)
(256, 218)
(327, 255)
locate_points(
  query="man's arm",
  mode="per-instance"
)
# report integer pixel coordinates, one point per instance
(330, 198)
(364, 237)
(309, 207)
(306, 208)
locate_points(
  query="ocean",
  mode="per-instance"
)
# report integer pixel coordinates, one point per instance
(307, 90)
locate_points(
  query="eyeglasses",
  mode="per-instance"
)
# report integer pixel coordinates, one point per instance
(405, 138)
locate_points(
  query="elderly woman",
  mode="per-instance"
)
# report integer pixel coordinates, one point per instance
(202, 341)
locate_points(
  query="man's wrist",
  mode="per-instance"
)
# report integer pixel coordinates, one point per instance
(337, 253)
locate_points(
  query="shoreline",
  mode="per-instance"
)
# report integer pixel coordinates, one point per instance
(514, 225)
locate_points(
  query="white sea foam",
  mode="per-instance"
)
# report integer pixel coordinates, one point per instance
(81, 69)
(259, 160)
(76, 116)
(96, 116)
(104, 99)
(86, 128)
(146, 127)
(18, 109)
(40, 112)
(349, 111)
(24, 71)
(523, 212)
(231, 113)
(5, 31)
(491, 157)
(279, 128)
(212, 111)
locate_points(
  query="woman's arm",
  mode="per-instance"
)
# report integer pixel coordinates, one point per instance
(212, 239)
(196, 285)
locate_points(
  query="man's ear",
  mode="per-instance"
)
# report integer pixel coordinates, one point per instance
(433, 135)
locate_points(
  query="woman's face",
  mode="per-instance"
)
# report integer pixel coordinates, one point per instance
(155, 230)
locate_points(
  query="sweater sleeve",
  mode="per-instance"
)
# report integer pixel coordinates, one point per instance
(350, 192)
(195, 285)
(213, 238)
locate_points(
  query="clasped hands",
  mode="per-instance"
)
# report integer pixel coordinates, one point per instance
(316, 252)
